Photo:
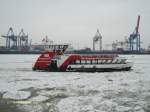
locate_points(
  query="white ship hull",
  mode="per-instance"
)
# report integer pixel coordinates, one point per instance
(100, 67)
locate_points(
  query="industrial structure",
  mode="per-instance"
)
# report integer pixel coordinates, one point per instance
(148, 47)
(132, 43)
(15, 41)
(134, 39)
(21, 44)
(46, 41)
(97, 38)
(11, 38)
(121, 45)
(22, 39)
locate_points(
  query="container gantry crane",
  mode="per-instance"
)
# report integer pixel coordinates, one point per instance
(134, 39)
(97, 38)
(22, 39)
(10, 38)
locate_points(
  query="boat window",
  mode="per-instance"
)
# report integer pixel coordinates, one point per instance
(106, 61)
(123, 60)
(103, 61)
(119, 61)
(110, 61)
(78, 61)
(113, 61)
(85, 61)
(116, 61)
(82, 61)
(99, 61)
(73, 62)
(93, 61)
(88, 61)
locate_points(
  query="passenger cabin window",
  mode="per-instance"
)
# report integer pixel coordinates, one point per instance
(88, 62)
(73, 62)
(109, 61)
(103, 61)
(93, 61)
(78, 61)
(116, 61)
(83, 62)
(106, 61)
(99, 61)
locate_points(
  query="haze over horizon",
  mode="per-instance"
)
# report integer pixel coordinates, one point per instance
(75, 21)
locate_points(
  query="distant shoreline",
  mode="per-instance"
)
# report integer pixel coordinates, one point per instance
(80, 52)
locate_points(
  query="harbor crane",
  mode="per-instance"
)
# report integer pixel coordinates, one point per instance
(47, 41)
(10, 38)
(22, 39)
(97, 38)
(134, 39)
(15, 41)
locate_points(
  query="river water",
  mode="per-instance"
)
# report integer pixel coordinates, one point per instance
(24, 90)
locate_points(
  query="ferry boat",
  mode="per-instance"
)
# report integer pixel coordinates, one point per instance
(56, 60)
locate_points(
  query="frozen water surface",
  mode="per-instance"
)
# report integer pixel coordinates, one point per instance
(23, 90)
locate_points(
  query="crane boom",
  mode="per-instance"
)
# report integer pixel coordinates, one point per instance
(137, 27)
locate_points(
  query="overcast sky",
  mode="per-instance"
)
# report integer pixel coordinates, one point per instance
(75, 21)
